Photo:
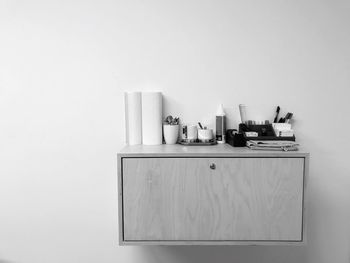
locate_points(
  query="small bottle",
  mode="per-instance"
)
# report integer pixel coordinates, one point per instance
(220, 125)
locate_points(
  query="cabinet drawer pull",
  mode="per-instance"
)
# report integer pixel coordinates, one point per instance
(213, 166)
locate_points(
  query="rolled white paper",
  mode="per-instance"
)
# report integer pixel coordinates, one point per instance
(152, 113)
(133, 118)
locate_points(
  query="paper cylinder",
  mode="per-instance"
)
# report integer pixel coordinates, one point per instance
(152, 118)
(133, 118)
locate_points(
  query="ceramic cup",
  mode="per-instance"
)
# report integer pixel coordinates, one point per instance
(189, 133)
(171, 133)
(205, 135)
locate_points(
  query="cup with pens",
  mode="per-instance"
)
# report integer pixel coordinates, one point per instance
(196, 135)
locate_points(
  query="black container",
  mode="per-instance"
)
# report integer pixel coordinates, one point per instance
(235, 139)
(265, 133)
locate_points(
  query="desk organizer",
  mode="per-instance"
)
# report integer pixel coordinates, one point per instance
(265, 133)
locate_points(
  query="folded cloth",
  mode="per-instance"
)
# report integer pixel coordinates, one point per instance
(273, 145)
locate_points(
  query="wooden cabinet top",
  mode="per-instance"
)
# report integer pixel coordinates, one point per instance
(219, 150)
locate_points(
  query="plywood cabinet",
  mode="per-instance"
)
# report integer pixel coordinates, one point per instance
(216, 194)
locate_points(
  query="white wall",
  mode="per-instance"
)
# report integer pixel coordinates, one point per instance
(65, 64)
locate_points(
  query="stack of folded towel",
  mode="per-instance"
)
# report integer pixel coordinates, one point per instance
(273, 145)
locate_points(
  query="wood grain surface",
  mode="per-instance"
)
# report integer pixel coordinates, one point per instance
(183, 199)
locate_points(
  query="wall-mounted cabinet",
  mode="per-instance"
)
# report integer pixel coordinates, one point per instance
(171, 194)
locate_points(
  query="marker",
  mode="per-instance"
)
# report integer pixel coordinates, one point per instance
(277, 112)
(288, 117)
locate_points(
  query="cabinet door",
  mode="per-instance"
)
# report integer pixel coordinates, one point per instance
(243, 199)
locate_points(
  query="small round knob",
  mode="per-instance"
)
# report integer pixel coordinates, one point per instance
(212, 166)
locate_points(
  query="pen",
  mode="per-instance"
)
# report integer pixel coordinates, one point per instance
(277, 112)
(288, 117)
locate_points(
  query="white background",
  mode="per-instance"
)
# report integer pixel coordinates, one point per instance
(64, 66)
